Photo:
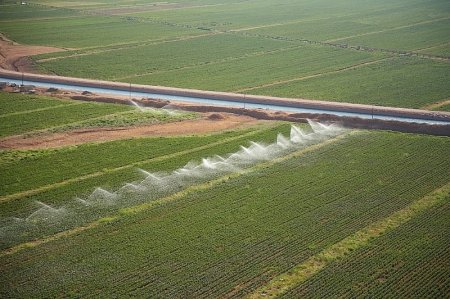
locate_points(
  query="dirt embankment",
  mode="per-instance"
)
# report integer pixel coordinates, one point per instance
(214, 119)
(235, 97)
(209, 123)
(15, 57)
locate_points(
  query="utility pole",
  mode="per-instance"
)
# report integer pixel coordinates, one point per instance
(22, 78)
(130, 90)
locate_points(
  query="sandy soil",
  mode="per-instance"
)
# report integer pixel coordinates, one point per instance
(212, 122)
(15, 57)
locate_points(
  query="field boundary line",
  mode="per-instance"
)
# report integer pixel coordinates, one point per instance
(436, 105)
(40, 109)
(49, 129)
(124, 46)
(302, 272)
(40, 19)
(99, 12)
(125, 212)
(387, 30)
(432, 47)
(48, 187)
(340, 70)
(278, 24)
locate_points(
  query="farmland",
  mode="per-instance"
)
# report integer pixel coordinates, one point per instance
(233, 235)
(32, 114)
(389, 261)
(258, 47)
(102, 197)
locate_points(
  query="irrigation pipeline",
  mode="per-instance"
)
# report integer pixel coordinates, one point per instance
(233, 100)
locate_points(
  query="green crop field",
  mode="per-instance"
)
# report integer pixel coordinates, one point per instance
(21, 114)
(229, 238)
(422, 82)
(262, 46)
(416, 253)
(266, 209)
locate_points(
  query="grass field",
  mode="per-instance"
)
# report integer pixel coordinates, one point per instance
(247, 46)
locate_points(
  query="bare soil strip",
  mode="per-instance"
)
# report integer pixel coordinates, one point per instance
(347, 68)
(176, 196)
(300, 273)
(41, 189)
(205, 125)
(437, 105)
(14, 56)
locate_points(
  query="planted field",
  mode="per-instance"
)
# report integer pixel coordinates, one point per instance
(239, 74)
(162, 57)
(11, 103)
(230, 237)
(111, 201)
(422, 82)
(243, 46)
(409, 262)
(88, 31)
(38, 114)
(259, 46)
(415, 37)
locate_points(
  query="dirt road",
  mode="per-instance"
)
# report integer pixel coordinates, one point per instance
(15, 57)
(211, 122)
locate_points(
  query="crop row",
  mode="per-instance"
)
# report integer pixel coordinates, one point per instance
(152, 159)
(409, 38)
(273, 66)
(17, 103)
(409, 262)
(14, 124)
(13, 12)
(54, 166)
(235, 236)
(161, 57)
(89, 31)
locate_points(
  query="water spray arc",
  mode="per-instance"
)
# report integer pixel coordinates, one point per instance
(101, 202)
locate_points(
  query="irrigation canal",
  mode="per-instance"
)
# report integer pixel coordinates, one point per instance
(240, 101)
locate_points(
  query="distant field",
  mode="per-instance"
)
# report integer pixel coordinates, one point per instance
(239, 74)
(89, 31)
(12, 12)
(162, 57)
(246, 45)
(401, 82)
